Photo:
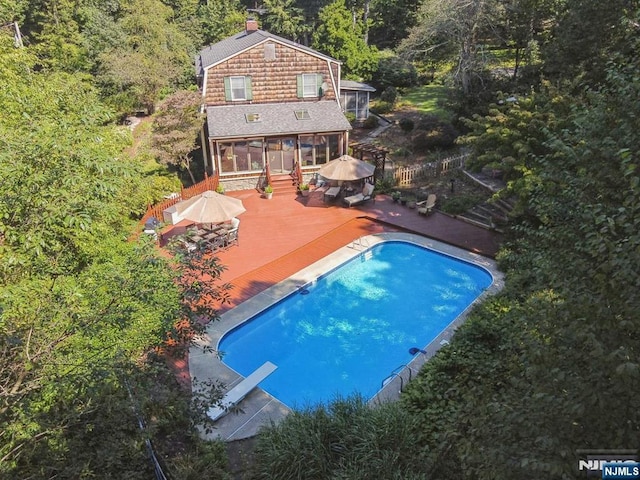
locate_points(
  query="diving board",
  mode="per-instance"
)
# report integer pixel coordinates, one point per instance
(237, 393)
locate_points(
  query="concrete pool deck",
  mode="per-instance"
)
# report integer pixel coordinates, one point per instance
(259, 408)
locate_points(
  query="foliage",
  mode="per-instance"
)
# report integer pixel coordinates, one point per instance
(513, 394)
(584, 38)
(394, 71)
(340, 38)
(370, 122)
(436, 135)
(284, 19)
(381, 107)
(176, 127)
(406, 124)
(390, 21)
(458, 204)
(345, 439)
(220, 19)
(153, 57)
(81, 309)
(389, 95)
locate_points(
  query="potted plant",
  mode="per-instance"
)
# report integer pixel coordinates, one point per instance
(395, 196)
(268, 192)
(304, 189)
(220, 189)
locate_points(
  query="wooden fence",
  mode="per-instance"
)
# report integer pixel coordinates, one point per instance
(209, 183)
(406, 176)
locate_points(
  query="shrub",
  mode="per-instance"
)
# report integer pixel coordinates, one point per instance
(443, 136)
(395, 71)
(381, 107)
(346, 439)
(370, 122)
(389, 95)
(351, 117)
(460, 203)
(406, 124)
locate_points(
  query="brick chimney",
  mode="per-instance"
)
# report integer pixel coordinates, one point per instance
(252, 25)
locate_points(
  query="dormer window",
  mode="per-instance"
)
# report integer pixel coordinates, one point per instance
(237, 88)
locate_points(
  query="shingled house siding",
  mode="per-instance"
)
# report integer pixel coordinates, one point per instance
(272, 80)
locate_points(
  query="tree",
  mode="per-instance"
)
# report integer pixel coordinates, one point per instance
(176, 127)
(154, 57)
(220, 19)
(391, 21)
(452, 28)
(339, 37)
(282, 18)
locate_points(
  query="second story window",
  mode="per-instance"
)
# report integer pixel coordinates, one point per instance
(237, 88)
(309, 85)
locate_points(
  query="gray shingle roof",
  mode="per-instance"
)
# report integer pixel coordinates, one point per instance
(275, 119)
(351, 85)
(238, 43)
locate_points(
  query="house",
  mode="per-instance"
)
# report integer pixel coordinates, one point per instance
(271, 104)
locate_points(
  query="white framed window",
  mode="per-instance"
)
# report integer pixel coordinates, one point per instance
(237, 88)
(309, 85)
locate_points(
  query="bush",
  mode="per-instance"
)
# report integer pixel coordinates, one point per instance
(381, 107)
(351, 117)
(395, 71)
(389, 95)
(459, 204)
(346, 439)
(442, 136)
(406, 124)
(370, 122)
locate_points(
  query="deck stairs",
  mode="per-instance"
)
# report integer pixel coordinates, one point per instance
(493, 214)
(283, 185)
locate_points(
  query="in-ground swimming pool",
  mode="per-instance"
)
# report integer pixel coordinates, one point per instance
(350, 329)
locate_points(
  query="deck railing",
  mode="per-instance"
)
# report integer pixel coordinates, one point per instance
(209, 183)
(408, 175)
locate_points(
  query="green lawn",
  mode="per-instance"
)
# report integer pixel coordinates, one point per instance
(427, 99)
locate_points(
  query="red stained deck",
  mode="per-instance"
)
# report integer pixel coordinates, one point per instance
(280, 236)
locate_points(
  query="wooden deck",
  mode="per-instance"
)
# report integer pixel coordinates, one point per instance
(280, 236)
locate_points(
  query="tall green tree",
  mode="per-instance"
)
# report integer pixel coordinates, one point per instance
(84, 311)
(176, 129)
(391, 21)
(284, 19)
(221, 19)
(339, 36)
(155, 57)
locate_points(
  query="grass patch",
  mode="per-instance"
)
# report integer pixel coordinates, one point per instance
(428, 100)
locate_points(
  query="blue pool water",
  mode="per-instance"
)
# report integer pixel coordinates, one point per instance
(351, 328)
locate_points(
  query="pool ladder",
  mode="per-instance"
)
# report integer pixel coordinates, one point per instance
(358, 244)
(396, 373)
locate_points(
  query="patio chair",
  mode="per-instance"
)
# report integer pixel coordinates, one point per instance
(237, 393)
(359, 198)
(426, 206)
(232, 235)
